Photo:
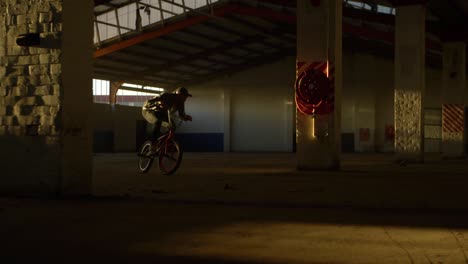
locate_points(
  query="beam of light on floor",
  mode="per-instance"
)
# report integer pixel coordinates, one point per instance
(288, 242)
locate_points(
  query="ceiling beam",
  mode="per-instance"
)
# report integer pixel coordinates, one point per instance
(285, 3)
(132, 62)
(117, 74)
(181, 52)
(200, 47)
(218, 49)
(141, 57)
(382, 49)
(219, 12)
(241, 67)
(211, 38)
(266, 13)
(109, 75)
(408, 2)
(181, 78)
(271, 33)
(185, 42)
(385, 19)
(384, 36)
(161, 32)
(137, 54)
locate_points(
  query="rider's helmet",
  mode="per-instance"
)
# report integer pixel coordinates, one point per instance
(182, 90)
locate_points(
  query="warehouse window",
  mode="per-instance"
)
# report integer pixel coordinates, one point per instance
(135, 94)
(128, 94)
(355, 4)
(384, 9)
(132, 98)
(136, 16)
(101, 90)
(377, 8)
(359, 5)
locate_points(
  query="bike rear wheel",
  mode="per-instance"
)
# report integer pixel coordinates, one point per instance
(170, 157)
(145, 157)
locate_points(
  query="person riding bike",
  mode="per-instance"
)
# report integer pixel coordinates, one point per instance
(155, 110)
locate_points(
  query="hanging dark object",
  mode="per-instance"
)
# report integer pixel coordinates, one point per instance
(138, 23)
(147, 10)
(28, 40)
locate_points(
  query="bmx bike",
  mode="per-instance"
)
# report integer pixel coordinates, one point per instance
(165, 148)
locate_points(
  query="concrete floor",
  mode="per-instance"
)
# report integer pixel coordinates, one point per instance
(249, 208)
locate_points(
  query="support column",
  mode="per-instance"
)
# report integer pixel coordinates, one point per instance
(114, 88)
(410, 39)
(227, 119)
(319, 35)
(46, 97)
(453, 100)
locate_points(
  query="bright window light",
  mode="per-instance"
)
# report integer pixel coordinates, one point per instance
(356, 4)
(131, 85)
(154, 88)
(148, 12)
(133, 98)
(137, 86)
(101, 93)
(384, 9)
(101, 89)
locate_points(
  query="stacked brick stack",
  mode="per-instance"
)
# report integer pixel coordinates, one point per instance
(30, 77)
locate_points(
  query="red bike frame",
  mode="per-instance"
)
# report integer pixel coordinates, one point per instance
(166, 137)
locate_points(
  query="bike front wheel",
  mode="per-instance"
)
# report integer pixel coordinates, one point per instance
(170, 157)
(145, 157)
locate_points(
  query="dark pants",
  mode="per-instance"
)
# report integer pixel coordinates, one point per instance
(162, 116)
(156, 130)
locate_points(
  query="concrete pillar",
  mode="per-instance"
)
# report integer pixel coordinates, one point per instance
(409, 82)
(227, 119)
(46, 97)
(114, 88)
(319, 37)
(453, 100)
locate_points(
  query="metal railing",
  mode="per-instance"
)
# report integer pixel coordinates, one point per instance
(135, 15)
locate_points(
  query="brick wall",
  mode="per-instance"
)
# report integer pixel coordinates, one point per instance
(45, 97)
(30, 77)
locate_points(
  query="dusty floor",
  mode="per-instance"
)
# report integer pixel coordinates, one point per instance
(364, 181)
(248, 208)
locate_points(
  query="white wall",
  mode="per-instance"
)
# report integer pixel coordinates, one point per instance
(261, 109)
(433, 111)
(207, 109)
(368, 92)
(121, 120)
(384, 105)
(359, 92)
(254, 109)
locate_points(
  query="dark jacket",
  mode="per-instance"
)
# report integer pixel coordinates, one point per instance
(166, 101)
